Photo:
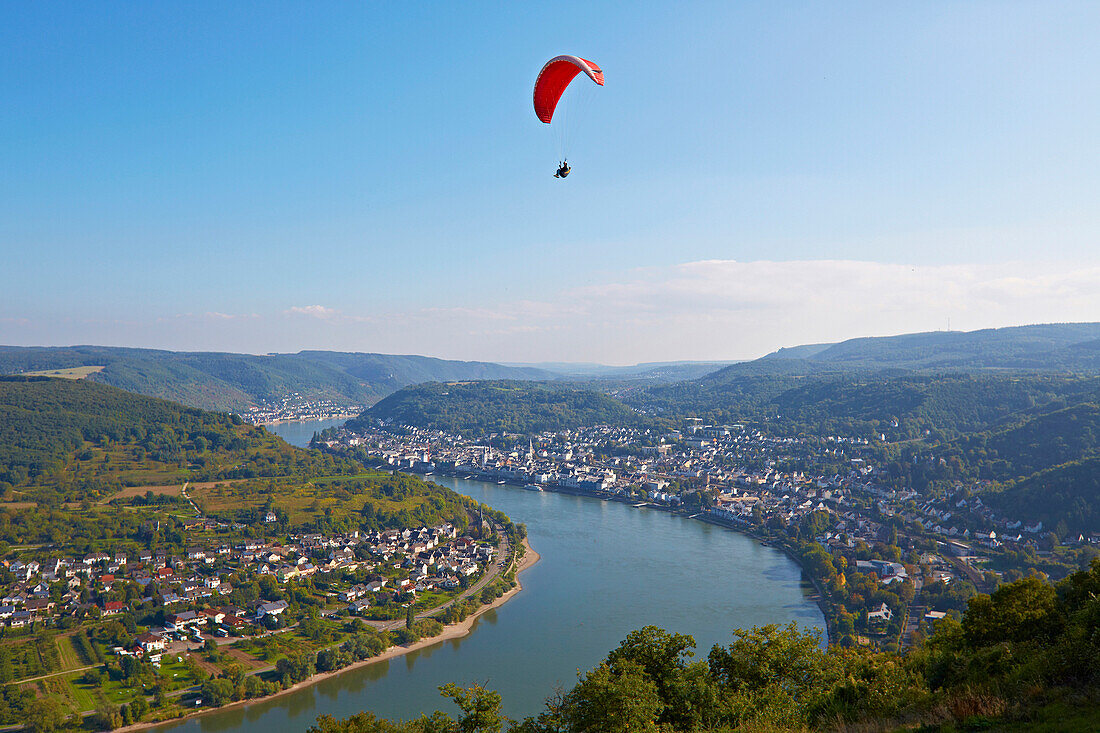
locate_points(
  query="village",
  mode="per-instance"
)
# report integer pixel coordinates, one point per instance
(297, 407)
(211, 595)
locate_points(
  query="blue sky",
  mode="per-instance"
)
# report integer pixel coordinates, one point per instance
(363, 176)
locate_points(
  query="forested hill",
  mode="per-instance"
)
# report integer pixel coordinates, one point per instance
(226, 381)
(942, 381)
(1039, 442)
(900, 406)
(70, 441)
(1065, 498)
(1051, 347)
(390, 372)
(480, 408)
(89, 466)
(1059, 349)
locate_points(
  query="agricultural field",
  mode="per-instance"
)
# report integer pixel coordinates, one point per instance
(79, 696)
(79, 372)
(130, 492)
(28, 656)
(70, 657)
(334, 497)
(268, 649)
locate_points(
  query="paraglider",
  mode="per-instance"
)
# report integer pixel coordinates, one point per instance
(552, 81)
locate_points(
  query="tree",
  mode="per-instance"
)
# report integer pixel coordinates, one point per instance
(1015, 612)
(217, 692)
(480, 708)
(139, 707)
(131, 666)
(774, 672)
(44, 715)
(269, 589)
(663, 658)
(107, 717)
(235, 674)
(622, 700)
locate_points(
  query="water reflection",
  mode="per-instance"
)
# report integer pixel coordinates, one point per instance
(300, 433)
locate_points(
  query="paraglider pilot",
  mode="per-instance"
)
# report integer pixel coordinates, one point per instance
(563, 170)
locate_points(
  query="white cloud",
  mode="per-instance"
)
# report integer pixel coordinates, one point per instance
(728, 309)
(218, 316)
(315, 311)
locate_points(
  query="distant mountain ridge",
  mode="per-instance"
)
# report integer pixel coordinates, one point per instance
(655, 371)
(228, 381)
(1052, 346)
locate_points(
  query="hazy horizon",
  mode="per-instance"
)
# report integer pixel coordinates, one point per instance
(548, 364)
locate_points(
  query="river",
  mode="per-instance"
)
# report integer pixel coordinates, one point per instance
(606, 568)
(301, 432)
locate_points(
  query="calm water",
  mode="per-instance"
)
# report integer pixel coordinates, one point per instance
(606, 569)
(300, 433)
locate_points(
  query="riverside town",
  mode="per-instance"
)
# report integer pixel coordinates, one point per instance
(886, 562)
(194, 628)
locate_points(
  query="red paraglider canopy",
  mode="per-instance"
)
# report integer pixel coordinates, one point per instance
(555, 77)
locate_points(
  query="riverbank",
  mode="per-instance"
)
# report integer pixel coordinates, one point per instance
(452, 631)
(820, 598)
(288, 420)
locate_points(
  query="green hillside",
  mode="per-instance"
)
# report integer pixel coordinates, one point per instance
(1036, 444)
(933, 406)
(72, 453)
(480, 408)
(226, 381)
(65, 440)
(1072, 348)
(902, 406)
(1064, 498)
(1044, 346)
(390, 372)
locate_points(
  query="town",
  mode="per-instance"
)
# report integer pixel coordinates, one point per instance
(886, 562)
(296, 407)
(223, 610)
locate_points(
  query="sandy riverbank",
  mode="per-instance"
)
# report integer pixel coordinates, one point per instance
(453, 631)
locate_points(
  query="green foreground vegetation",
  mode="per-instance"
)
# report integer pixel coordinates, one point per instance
(1023, 658)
